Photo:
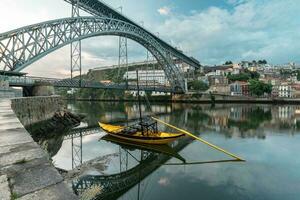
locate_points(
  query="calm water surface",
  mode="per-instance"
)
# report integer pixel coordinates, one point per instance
(266, 136)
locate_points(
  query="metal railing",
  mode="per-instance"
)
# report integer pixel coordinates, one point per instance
(77, 83)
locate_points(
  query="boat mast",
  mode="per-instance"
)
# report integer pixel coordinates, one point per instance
(138, 93)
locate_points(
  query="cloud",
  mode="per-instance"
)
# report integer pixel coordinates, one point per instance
(164, 10)
(251, 30)
(236, 2)
(18, 13)
(163, 181)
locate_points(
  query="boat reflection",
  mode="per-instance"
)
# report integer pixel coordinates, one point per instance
(149, 158)
(163, 149)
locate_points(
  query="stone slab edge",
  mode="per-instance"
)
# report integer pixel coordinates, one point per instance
(54, 189)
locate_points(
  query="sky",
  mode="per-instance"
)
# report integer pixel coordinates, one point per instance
(212, 31)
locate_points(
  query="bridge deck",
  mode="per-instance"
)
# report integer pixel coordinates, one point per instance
(23, 81)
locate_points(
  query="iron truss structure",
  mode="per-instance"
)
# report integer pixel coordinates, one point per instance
(100, 9)
(21, 47)
(114, 185)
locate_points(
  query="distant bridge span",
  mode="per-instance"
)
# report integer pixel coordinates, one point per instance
(28, 81)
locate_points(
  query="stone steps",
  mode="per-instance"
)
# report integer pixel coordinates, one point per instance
(4, 105)
(24, 165)
(8, 119)
(4, 188)
(10, 126)
(5, 110)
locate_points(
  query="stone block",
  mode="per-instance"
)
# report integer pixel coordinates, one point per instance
(12, 170)
(55, 192)
(34, 178)
(4, 188)
(14, 136)
(10, 125)
(20, 154)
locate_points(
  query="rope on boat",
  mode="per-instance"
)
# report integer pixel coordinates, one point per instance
(200, 139)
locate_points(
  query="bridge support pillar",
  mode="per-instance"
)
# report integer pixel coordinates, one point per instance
(185, 85)
(76, 49)
(123, 55)
(41, 89)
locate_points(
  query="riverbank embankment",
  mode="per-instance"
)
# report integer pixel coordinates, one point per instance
(26, 171)
(202, 99)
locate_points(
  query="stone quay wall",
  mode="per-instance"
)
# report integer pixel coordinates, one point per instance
(26, 172)
(219, 98)
(31, 110)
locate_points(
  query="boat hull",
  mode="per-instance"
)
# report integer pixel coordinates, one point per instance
(163, 138)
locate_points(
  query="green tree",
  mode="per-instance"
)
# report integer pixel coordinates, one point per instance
(259, 88)
(238, 77)
(262, 62)
(245, 76)
(298, 75)
(228, 62)
(252, 75)
(198, 85)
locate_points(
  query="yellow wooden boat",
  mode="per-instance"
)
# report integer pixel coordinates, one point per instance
(143, 132)
(140, 135)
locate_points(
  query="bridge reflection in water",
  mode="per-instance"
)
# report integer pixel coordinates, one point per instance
(147, 158)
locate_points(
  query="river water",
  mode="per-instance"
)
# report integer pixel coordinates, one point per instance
(266, 136)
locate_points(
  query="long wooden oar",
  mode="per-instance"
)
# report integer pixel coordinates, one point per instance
(200, 139)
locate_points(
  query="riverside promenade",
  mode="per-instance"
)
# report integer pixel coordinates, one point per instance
(26, 171)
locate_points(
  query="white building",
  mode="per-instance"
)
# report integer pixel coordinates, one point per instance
(148, 77)
(285, 91)
(143, 93)
(213, 73)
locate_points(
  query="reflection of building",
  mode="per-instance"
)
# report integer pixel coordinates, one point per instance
(246, 120)
(285, 112)
(239, 113)
(220, 120)
(133, 110)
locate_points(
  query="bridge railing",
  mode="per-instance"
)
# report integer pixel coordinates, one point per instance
(92, 84)
(17, 80)
(77, 83)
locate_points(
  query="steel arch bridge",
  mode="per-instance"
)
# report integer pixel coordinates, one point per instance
(21, 47)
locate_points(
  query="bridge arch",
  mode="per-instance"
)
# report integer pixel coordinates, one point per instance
(21, 47)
